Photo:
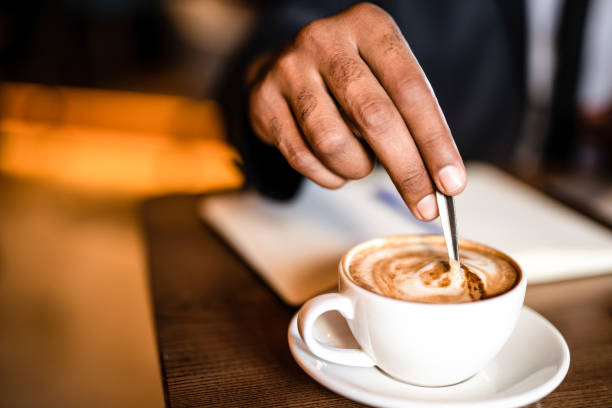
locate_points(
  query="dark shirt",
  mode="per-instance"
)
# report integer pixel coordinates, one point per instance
(471, 51)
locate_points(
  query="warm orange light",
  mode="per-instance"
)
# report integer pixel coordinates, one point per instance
(116, 141)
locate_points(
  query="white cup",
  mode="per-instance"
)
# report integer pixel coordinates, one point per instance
(418, 343)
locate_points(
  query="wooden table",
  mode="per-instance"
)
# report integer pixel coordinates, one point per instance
(222, 333)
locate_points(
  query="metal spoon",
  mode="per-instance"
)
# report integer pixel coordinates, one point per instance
(446, 207)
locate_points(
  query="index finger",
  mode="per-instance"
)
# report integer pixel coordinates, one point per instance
(364, 100)
(391, 60)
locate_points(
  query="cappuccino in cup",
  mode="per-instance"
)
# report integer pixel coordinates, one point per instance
(417, 269)
(415, 317)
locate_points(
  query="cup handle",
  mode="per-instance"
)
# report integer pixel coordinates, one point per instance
(308, 315)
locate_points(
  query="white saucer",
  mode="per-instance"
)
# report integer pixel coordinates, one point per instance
(531, 365)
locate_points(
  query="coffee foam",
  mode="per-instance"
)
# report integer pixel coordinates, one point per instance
(419, 271)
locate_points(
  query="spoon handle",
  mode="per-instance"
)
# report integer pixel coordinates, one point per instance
(446, 206)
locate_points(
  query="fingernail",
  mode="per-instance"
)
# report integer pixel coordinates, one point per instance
(452, 179)
(427, 207)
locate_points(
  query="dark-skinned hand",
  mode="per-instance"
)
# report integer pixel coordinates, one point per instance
(347, 86)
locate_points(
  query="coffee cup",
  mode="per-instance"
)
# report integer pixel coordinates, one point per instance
(427, 344)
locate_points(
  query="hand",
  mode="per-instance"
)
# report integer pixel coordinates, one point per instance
(347, 84)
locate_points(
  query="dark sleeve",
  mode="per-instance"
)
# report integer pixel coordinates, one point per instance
(263, 166)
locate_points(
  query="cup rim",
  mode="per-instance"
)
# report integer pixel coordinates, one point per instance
(344, 270)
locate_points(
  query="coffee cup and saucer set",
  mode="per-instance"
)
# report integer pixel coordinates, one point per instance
(373, 346)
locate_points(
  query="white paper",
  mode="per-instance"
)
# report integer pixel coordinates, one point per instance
(296, 246)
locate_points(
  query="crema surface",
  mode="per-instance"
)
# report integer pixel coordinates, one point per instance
(420, 272)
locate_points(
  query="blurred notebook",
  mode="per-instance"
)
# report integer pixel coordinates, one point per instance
(295, 246)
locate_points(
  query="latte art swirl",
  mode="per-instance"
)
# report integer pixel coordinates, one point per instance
(421, 273)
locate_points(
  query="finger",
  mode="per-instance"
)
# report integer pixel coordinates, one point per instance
(391, 60)
(273, 122)
(327, 133)
(362, 98)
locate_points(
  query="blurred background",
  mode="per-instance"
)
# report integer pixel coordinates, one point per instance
(105, 103)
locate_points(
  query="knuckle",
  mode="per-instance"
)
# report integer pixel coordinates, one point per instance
(305, 104)
(374, 114)
(260, 109)
(300, 159)
(259, 130)
(313, 33)
(330, 143)
(368, 9)
(275, 131)
(286, 64)
(261, 92)
(434, 140)
(414, 85)
(344, 69)
(365, 7)
(393, 44)
(412, 181)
